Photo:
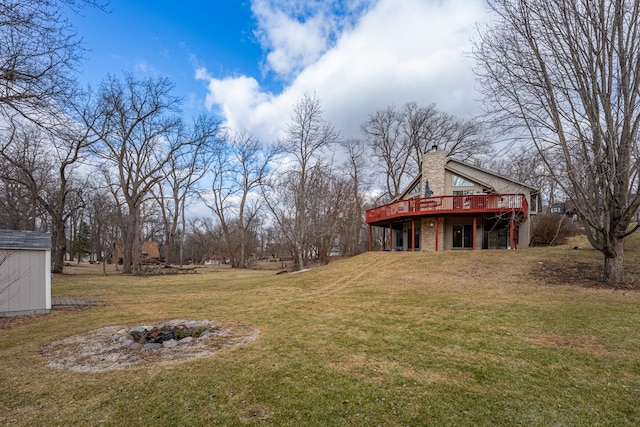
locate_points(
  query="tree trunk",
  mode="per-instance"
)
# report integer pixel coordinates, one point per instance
(182, 237)
(167, 249)
(127, 244)
(242, 263)
(613, 261)
(136, 256)
(59, 243)
(299, 264)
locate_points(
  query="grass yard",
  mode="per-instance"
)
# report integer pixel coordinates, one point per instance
(393, 339)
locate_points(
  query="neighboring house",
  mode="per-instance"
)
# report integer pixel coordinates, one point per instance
(565, 208)
(149, 252)
(214, 260)
(25, 272)
(455, 205)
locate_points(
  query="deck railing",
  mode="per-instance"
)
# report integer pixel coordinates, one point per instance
(473, 203)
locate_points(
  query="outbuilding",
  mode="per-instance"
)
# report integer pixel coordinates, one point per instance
(25, 272)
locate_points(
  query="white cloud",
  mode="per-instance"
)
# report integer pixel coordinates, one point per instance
(296, 34)
(292, 44)
(413, 50)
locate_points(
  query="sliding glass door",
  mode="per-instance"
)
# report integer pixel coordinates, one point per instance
(462, 236)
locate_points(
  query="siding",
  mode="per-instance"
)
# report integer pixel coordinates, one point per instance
(25, 276)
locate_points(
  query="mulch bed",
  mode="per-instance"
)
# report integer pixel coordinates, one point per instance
(584, 274)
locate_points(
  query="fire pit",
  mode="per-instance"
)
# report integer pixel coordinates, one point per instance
(168, 334)
(118, 347)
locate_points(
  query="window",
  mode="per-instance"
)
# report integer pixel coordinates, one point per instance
(415, 189)
(534, 203)
(458, 181)
(399, 239)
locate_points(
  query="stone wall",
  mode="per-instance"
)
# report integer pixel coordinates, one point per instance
(428, 234)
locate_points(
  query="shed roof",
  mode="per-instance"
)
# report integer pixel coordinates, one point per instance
(19, 239)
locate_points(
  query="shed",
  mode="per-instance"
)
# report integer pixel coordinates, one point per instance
(25, 272)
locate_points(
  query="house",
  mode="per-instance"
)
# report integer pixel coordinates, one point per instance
(455, 205)
(25, 272)
(565, 208)
(215, 260)
(149, 252)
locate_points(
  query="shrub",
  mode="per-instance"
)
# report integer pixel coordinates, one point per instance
(552, 229)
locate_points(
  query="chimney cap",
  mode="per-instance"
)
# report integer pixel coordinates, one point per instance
(434, 148)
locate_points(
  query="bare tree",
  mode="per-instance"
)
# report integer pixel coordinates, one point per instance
(464, 139)
(39, 52)
(384, 130)
(359, 181)
(400, 137)
(328, 205)
(237, 176)
(46, 166)
(523, 164)
(102, 214)
(134, 120)
(253, 162)
(220, 200)
(567, 73)
(18, 210)
(204, 239)
(308, 135)
(182, 172)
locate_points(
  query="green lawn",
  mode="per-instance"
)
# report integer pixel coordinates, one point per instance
(391, 339)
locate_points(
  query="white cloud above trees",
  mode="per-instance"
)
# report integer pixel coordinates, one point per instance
(356, 60)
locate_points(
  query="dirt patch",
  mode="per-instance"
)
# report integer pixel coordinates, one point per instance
(9, 322)
(255, 413)
(112, 347)
(587, 343)
(584, 274)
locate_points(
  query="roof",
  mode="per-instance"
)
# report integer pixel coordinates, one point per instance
(449, 165)
(20, 239)
(150, 249)
(496, 174)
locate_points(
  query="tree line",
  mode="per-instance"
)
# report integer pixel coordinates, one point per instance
(121, 162)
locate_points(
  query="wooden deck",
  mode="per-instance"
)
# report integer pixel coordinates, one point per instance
(447, 205)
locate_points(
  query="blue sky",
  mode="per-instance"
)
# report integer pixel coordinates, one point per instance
(250, 60)
(169, 38)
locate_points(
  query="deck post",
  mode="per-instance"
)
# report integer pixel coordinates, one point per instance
(413, 235)
(370, 238)
(473, 243)
(390, 237)
(512, 231)
(437, 223)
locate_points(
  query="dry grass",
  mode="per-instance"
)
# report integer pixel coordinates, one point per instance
(452, 338)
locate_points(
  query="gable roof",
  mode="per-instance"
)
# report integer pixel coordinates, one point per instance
(148, 249)
(450, 164)
(20, 239)
(456, 166)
